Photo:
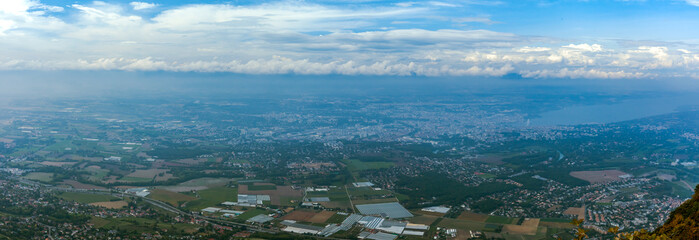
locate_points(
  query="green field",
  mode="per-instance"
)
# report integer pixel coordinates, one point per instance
(337, 218)
(86, 197)
(212, 197)
(501, 220)
(261, 187)
(135, 179)
(251, 213)
(140, 225)
(173, 198)
(40, 176)
(357, 165)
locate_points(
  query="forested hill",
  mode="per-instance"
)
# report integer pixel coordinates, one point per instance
(684, 221)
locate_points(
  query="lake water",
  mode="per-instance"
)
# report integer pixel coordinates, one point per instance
(609, 113)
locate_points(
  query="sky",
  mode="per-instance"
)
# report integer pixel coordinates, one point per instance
(543, 39)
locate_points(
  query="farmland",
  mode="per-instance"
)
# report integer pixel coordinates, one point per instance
(173, 198)
(212, 197)
(86, 197)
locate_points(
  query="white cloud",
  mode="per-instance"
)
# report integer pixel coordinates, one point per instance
(305, 38)
(142, 5)
(693, 2)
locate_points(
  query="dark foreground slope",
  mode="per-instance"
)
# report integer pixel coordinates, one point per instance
(684, 221)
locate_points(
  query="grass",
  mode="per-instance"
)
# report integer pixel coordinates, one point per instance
(261, 187)
(251, 213)
(97, 174)
(212, 197)
(86, 197)
(40, 176)
(337, 218)
(500, 219)
(560, 220)
(173, 198)
(356, 165)
(141, 225)
(135, 179)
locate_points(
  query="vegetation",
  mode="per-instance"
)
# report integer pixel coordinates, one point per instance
(87, 197)
(212, 197)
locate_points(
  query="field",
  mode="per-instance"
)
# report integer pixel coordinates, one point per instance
(86, 197)
(281, 192)
(140, 225)
(173, 198)
(461, 224)
(40, 176)
(336, 218)
(528, 227)
(111, 204)
(580, 212)
(79, 185)
(251, 213)
(424, 219)
(261, 187)
(96, 173)
(501, 220)
(476, 217)
(300, 216)
(321, 217)
(598, 176)
(57, 164)
(212, 197)
(198, 184)
(338, 198)
(356, 165)
(150, 174)
(365, 195)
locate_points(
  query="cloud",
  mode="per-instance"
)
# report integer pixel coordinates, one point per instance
(693, 2)
(142, 5)
(299, 37)
(483, 20)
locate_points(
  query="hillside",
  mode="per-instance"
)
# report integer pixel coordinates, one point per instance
(684, 221)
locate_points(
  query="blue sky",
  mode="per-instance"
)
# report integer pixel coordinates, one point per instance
(537, 38)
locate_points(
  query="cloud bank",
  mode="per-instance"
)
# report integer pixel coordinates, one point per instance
(298, 37)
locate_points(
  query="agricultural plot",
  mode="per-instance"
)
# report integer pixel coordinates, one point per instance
(198, 184)
(213, 197)
(321, 217)
(140, 225)
(462, 225)
(96, 173)
(79, 185)
(579, 212)
(173, 198)
(356, 165)
(598, 176)
(476, 217)
(366, 195)
(424, 219)
(251, 213)
(86, 197)
(40, 176)
(501, 220)
(111, 204)
(281, 192)
(338, 198)
(261, 187)
(57, 164)
(336, 218)
(528, 227)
